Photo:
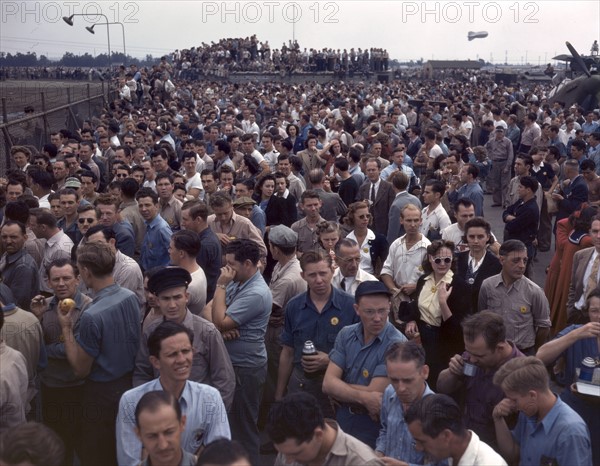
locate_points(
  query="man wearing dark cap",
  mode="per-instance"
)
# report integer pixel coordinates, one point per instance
(500, 152)
(211, 363)
(356, 376)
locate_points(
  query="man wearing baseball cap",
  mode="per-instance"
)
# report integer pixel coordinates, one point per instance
(356, 376)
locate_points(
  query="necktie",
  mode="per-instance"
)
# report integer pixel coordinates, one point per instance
(343, 284)
(592, 281)
(373, 192)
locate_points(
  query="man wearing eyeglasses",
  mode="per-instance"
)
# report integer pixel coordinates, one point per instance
(349, 275)
(357, 376)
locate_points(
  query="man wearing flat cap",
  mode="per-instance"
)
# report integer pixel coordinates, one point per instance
(356, 376)
(243, 206)
(211, 363)
(286, 282)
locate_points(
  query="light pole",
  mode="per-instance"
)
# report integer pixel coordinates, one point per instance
(69, 21)
(91, 30)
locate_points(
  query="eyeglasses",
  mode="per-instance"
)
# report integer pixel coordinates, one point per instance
(85, 220)
(439, 260)
(121, 175)
(372, 312)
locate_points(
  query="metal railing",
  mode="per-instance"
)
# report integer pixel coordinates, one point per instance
(35, 129)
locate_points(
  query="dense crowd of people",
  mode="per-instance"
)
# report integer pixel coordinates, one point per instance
(231, 55)
(249, 54)
(203, 261)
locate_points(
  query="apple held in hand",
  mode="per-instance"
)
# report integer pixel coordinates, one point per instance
(66, 305)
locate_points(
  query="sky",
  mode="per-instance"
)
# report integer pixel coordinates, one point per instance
(518, 31)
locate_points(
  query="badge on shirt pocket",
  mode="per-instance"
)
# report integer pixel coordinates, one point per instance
(523, 309)
(334, 321)
(365, 373)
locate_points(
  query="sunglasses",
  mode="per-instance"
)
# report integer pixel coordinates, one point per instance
(121, 175)
(445, 260)
(85, 220)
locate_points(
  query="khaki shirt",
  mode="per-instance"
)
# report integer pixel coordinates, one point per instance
(238, 227)
(171, 212)
(523, 307)
(308, 240)
(345, 451)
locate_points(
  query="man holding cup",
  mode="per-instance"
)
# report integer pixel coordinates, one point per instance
(473, 372)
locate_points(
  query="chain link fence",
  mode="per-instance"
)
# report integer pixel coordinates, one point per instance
(54, 109)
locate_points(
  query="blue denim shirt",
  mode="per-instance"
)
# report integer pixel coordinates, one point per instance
(109, 331)
(155, 247)
(560, 438)
(362, 362)
(395, 440)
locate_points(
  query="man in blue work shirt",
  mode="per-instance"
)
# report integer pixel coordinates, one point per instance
(317, 315)
(155, 247)
(356, 376)
(548, 431)
(103, 351)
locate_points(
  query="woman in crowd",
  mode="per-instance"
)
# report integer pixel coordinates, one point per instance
(294, 137)
(477, 263)
(329, 233)
(249, 169)
(310, 157)
(441, 301)
(373, 248)
(278, 210)
(572, 235)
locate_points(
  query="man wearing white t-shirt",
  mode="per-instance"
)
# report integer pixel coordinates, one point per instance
(248, 149)
(183, 250)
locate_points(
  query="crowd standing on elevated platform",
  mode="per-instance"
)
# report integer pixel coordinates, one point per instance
(204, 261)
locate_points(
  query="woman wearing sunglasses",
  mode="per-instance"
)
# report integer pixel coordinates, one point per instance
(441, 302)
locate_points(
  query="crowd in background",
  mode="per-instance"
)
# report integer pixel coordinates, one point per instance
(206, 231)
